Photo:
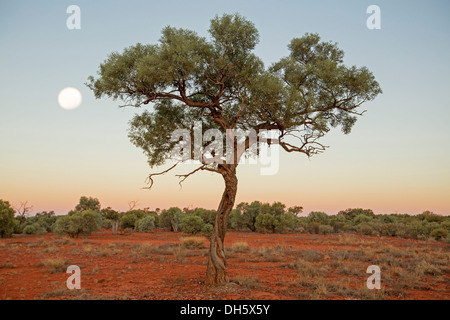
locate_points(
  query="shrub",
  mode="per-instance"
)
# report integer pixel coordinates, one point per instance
(106, 224)
(240, 246)
(192, 224)
(55, 265)
(207, 230)
(86, 203)
(414, 230)
(6, 219)
(366, 229)
(78, 223)
(192, 242)
(325, 229)
(288, 222)
(439, 234)
(317, 216)
(350, 214)
(208, 216)
(313, 227)
(171, 219)
(386, 229)
(266, 223)
(128, 220)
(360, 218)
(146, 224)
(430, 217)
(34, 228)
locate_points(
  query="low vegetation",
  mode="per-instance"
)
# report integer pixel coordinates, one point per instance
(88, 217)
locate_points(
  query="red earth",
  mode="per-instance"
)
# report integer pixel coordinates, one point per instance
(260, 266)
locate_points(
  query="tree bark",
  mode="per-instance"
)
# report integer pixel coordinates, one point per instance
(216, 273)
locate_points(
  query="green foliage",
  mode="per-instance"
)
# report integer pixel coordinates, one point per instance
(350, 214)
(128, 220)
(110, 214)
(208, 216)
(313, 227)
(146, 224)
(317, 216)
(43, 222)
(88, 203)
(288, 222)
(192, 224)
(171, 219)
(326, 229)
(78, 223)
(361, 218)
(6, 219)
(266, 222)
(207, 230)
(184, 74)
(430, 217)
(33, 228)
(439, 234)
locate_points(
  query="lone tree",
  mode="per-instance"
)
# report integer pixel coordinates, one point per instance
(221, 83)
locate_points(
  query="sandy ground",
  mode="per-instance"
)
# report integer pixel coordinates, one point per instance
(261, 266)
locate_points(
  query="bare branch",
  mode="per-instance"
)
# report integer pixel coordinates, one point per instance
(149, 179)
(183, 177)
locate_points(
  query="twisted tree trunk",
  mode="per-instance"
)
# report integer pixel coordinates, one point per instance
(216, 273)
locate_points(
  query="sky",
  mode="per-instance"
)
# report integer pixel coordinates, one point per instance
(395, 160)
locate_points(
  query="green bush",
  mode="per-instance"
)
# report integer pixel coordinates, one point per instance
(317, 216)
(413, 230)
(207, 229)
(366, 229)
(350, 214)
(6, 219)
(88, 203)
(128, 220)
(146, 224)
(33, 228)
(267, 223)
(208, 216)
(288, 222)
(106, 224)
(430, 217)
(439, 234)
(192, 224)
(77, 223)
(325, 229)
(313, 227)
(361, 218)
(171, 219)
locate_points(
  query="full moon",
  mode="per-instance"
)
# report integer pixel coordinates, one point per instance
(69, 98)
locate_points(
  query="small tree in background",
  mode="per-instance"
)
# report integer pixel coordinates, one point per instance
(113, 216)
(172, 219)
(88, 203)
(146, 224)
(267, 222)
(6, 219)
(192, 224)
(78, 223)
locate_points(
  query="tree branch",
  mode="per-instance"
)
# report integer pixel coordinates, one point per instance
(149, 179)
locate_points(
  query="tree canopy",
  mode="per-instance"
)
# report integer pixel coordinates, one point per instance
(219, 83)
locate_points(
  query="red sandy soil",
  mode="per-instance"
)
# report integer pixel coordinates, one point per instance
(121, 272)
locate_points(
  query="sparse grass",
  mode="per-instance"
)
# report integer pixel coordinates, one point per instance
(240, 246)
(192, 242)
(248, 282)
(179, 253)
(7, 265)
(266, 254)
(55, 265)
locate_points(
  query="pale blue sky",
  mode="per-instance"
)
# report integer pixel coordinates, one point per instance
(395, 160)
